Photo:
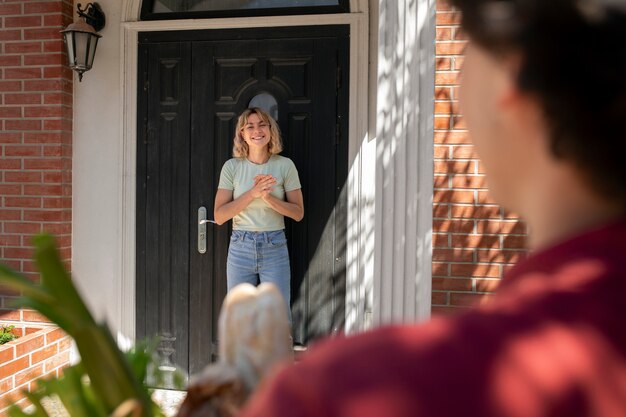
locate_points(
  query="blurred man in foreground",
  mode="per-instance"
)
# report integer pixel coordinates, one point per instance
(544, 97)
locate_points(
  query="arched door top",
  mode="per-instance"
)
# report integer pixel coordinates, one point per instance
(267, 102)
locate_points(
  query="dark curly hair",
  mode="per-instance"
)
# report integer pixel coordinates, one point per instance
(573, 55)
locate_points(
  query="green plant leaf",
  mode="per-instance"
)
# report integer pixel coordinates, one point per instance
(15, 411)
(112, 378)
(35, 400)
(55, 277)
(12, 279)
(139, 358)
(6, 334)
(71, 392)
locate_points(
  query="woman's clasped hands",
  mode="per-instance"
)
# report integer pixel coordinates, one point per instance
(263, 184)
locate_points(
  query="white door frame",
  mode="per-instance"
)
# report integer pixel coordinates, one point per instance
(361, 150)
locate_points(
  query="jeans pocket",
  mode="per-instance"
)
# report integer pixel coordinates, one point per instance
(277, 240)
(236, 236)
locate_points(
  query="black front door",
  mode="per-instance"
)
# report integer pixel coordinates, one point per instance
(192, 87)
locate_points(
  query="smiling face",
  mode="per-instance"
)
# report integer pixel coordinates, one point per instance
(256, 132)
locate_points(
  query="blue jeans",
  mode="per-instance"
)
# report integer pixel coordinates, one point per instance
(255, 257)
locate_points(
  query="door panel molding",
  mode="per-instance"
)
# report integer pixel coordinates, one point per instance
(163, 190)
(234, 67)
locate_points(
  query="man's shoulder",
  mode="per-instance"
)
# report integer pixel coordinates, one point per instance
(394, 370)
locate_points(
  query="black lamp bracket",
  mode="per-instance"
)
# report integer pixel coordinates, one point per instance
(93, 15)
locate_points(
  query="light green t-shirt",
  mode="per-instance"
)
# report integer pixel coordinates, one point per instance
(238, 175)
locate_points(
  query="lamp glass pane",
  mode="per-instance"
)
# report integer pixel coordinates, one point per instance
(82, 43)
(71, 49)
(93, 43)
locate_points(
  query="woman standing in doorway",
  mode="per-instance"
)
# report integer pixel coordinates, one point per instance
(257, 189)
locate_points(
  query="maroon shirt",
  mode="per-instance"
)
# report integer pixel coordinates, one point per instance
(552, 342)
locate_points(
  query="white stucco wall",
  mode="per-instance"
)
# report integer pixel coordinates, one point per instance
(96, 173)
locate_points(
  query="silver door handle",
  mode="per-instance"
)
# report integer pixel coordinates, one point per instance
(202, 221)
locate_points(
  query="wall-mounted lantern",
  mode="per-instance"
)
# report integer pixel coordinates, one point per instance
(82, 37)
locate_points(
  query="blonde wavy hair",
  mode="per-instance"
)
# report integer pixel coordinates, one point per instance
(240, 147)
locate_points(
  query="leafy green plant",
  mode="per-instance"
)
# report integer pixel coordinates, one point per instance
(6, 334)
(106, 382)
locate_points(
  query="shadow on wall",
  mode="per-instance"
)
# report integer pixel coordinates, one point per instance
(324, 295)
(319, 282)
(475, 241)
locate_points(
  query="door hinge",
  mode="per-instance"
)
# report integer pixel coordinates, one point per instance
(146, 86)
(148, 133)
(338, 78)
(337, 133)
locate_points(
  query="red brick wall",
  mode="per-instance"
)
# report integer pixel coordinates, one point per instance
(37, 353)
(35, 129)
(474, 240)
